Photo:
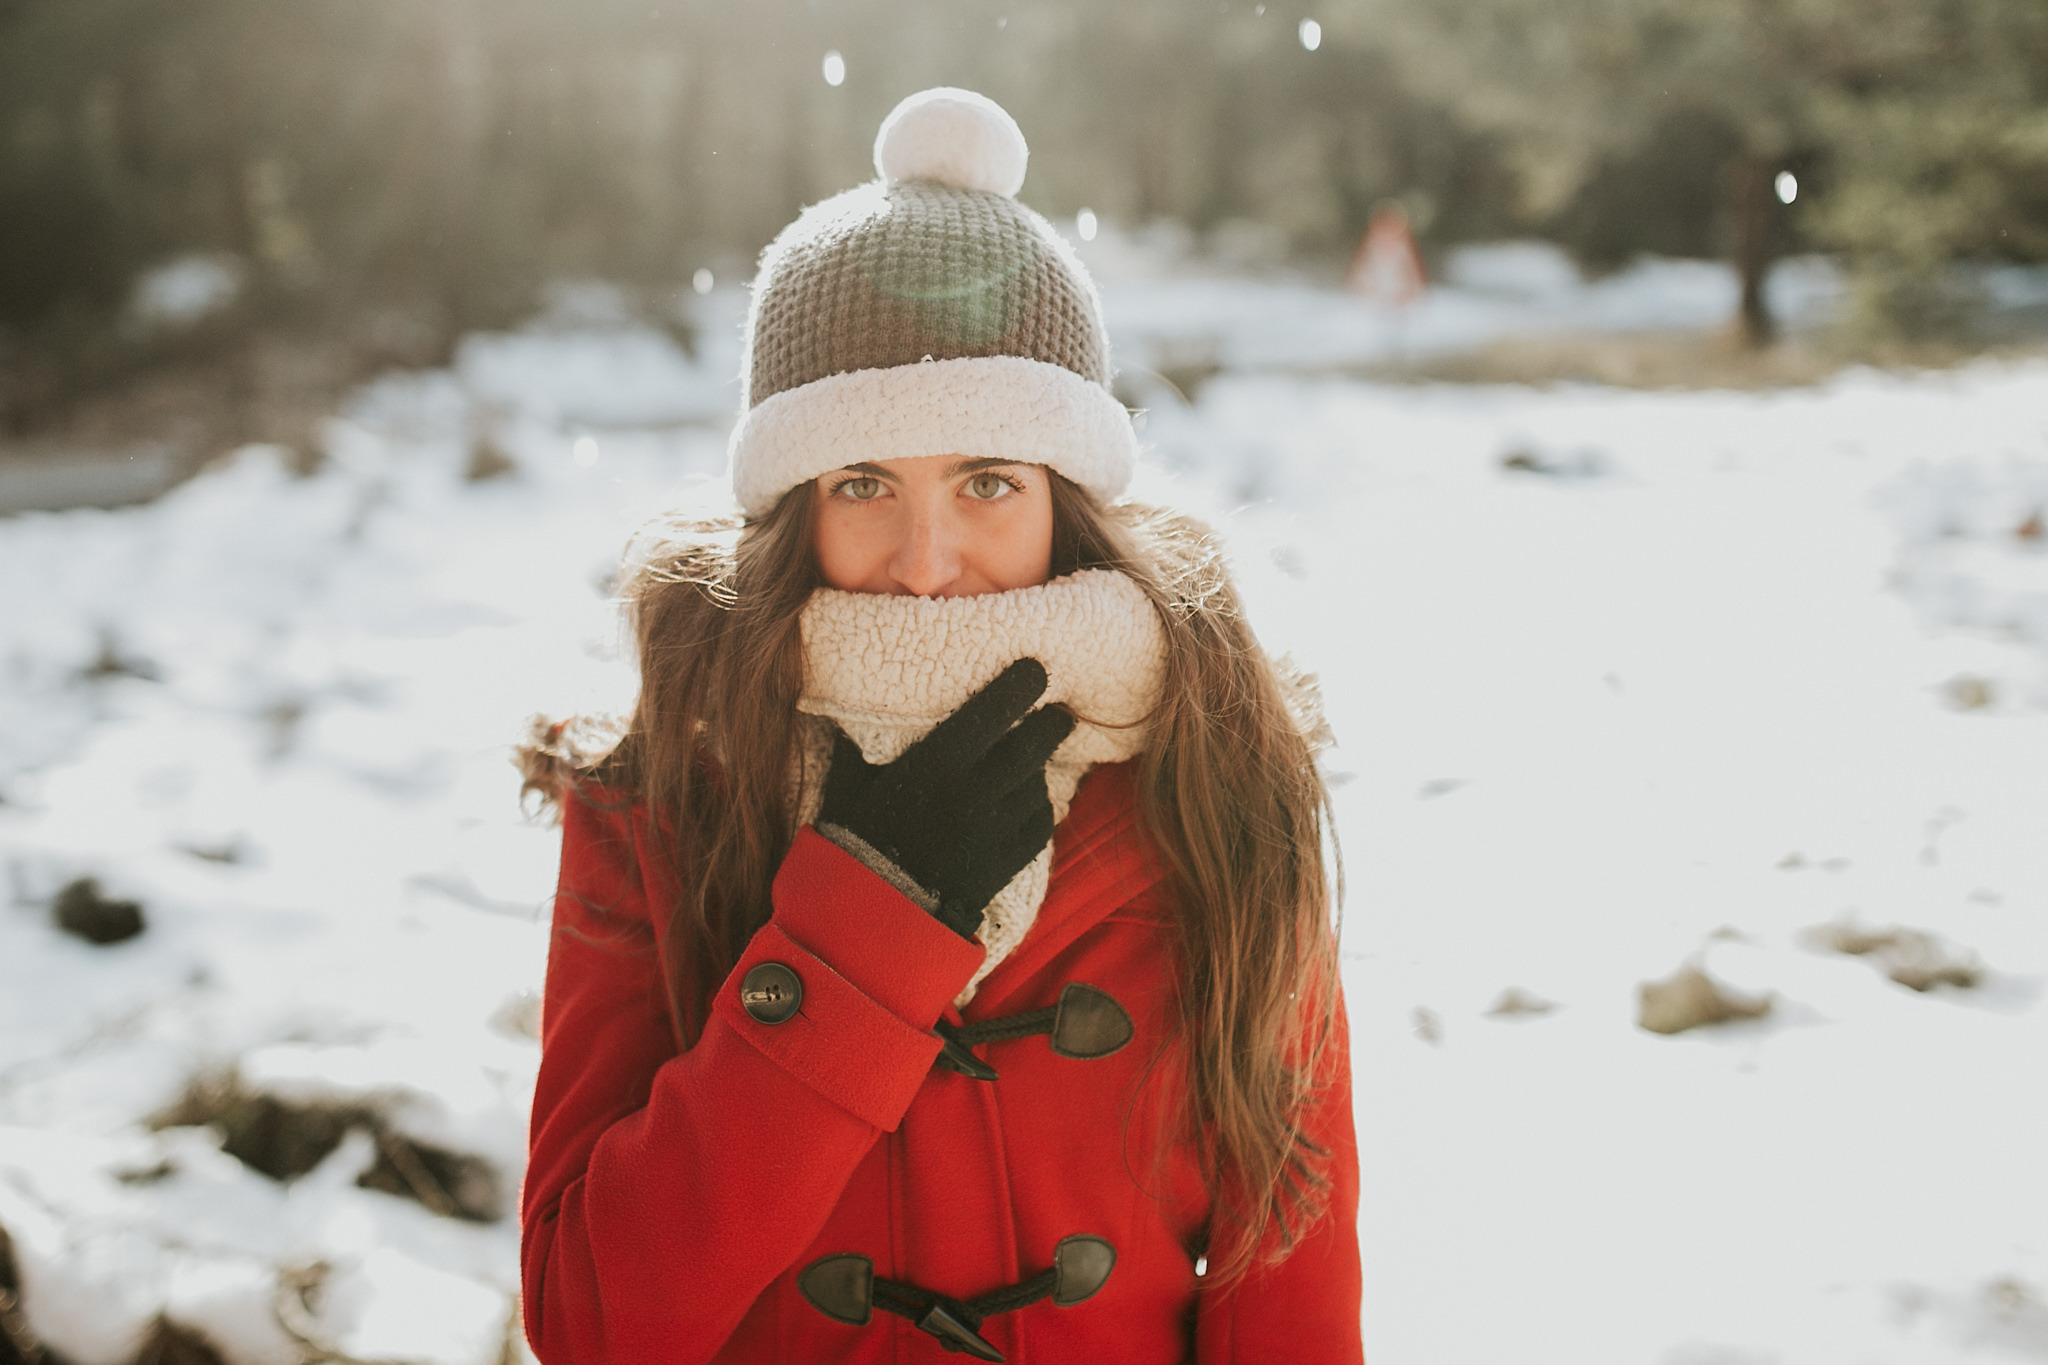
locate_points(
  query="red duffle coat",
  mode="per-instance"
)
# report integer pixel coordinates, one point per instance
(673, 1199)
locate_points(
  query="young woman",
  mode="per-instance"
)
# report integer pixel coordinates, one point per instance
(943, 960)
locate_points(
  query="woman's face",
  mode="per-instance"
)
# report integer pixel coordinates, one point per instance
(934, 526)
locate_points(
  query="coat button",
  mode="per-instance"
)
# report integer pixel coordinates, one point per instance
(771, 993)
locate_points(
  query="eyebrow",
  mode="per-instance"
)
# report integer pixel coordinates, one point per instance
(953, 470)
(975, 466)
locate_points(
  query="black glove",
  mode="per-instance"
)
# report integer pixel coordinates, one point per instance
(964, 809)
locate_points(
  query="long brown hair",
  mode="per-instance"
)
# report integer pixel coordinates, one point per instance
(1229, 791)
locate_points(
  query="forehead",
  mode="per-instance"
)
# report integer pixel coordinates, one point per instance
(931, 467)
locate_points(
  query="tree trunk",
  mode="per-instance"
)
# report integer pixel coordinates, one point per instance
(459, 98)
(1753, 211)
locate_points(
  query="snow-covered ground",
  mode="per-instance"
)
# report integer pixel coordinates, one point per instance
(1170, 309)
(1623, 682)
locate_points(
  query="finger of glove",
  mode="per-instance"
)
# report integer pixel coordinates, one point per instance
(1025, 843)
(962, 919)
(999, 858)
(1021, 755)
(972, 896)
(983, 718)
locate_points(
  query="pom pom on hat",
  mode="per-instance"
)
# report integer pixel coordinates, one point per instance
(927, 313)
(953, 137)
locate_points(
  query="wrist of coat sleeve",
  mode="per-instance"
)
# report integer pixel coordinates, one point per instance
(874, 973)
(879, 863)
(967, 925)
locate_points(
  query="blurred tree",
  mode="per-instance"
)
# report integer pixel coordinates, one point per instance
(1662, 197)
(1930, 117)
(1935, 121)
(428, 165)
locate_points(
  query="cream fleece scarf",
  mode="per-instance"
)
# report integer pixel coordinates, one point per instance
(887, 669)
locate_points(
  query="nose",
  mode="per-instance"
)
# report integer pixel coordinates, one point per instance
(927, 557)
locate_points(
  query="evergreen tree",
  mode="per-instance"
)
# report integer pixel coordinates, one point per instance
(440, 159)
(1928, 119)
(1935, 122)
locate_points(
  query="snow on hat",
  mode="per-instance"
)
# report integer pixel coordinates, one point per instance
(927, 313)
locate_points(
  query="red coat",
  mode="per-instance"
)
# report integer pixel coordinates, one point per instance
(672, 1201)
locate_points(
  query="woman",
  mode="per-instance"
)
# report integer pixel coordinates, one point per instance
(943, 960)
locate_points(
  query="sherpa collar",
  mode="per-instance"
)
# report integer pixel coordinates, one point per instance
(887, 669)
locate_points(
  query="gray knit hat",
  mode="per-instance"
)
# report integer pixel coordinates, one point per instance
(927, 313)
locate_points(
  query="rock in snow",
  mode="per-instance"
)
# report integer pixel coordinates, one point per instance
(1915, 958)
(1689, 999)
(81, 910)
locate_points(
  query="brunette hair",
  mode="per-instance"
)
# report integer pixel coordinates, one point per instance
(1229, 791)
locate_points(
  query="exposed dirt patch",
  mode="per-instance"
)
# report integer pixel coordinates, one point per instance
(83, 912)
(1675, 360)
(285, 1139)
(130, 421)
(1689, 999)
(281, 1140)
(450, 1183)
(114, 661)
(170, 1344)
(1517, 1003)
(17, 1346)
(1914, 958)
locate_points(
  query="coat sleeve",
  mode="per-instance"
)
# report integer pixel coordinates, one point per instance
(1306, 1307)
(664, 1192)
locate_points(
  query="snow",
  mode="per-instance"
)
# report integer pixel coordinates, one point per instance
(1169, 305)
(1624, 682)
(180, 292)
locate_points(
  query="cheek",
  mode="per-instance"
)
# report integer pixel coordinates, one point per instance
(842, 550)
(1020, 556)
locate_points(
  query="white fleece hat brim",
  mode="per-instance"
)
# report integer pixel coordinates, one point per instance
(1001, 407)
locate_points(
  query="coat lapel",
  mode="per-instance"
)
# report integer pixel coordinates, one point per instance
(1102, 861)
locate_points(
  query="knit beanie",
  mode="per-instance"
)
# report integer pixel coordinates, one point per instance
(927, 312)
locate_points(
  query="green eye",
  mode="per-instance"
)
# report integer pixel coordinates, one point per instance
(988, 486)
(862, 489)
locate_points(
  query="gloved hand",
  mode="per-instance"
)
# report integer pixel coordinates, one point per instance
(964, 809)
